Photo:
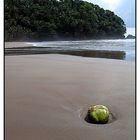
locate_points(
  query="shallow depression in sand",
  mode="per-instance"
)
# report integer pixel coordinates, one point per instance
(83, 114)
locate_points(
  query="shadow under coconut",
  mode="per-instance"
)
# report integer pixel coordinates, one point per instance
(112, 118)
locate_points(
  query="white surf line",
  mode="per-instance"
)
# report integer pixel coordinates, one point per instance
(32, 44)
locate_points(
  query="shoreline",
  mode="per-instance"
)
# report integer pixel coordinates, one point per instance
(47, 95)
(20, 48)
(13, 44)
(19, 41)
(77, 52)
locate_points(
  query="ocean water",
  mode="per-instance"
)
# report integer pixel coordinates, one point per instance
(126, 45)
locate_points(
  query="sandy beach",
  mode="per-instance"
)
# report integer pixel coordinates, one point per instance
(46, 97)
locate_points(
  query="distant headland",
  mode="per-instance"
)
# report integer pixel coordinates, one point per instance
(41, 20)
(130, 37)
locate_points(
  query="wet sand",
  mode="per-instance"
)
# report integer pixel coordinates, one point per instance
(47, 97)
(26, 48)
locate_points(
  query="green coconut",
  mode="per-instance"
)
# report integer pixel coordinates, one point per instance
(98, 114)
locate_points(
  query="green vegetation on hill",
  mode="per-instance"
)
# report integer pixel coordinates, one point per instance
(64, 19)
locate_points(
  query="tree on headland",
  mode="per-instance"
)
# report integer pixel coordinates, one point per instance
(53, 19)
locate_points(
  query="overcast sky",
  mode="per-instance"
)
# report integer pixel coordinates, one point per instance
(123, 8)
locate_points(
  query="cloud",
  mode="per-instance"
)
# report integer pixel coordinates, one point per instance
(107, 4)
(123, 8)
(112, 4)
(127, 11)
